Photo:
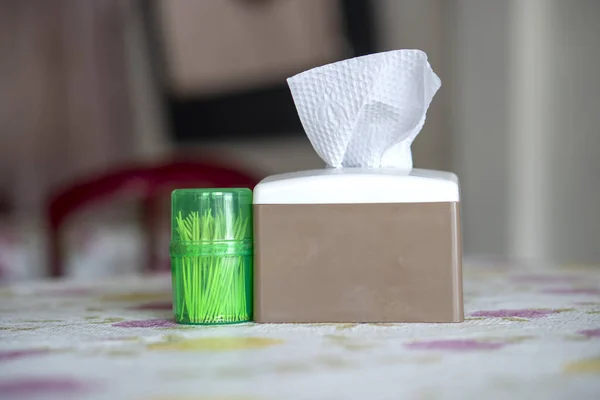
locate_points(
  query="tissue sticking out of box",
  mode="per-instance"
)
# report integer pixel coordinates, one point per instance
(366, 111)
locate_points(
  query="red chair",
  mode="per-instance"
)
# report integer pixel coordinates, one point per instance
(149, 183)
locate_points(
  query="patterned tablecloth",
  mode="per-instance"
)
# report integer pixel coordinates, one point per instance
(529, 333)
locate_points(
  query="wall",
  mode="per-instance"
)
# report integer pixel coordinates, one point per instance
(527, 128)
(481, 122)
(571, 121)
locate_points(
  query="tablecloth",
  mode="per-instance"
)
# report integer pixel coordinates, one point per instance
(530, 332)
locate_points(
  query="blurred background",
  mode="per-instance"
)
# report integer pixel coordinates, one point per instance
(105, 105)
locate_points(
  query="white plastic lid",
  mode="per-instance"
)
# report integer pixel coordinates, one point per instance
(358, 185)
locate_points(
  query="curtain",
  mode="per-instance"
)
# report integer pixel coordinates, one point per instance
(65, 106)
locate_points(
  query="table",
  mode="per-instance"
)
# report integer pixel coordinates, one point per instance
(530, 332)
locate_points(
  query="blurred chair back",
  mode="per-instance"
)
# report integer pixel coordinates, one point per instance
(148, 182)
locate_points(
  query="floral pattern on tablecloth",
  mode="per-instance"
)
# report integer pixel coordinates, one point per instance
(529, 332)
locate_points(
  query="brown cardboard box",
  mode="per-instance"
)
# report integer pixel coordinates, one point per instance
(353, 245)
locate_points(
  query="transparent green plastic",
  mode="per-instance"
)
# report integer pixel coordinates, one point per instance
(211, 255)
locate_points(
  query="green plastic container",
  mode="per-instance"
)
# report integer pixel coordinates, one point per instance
(211, 255)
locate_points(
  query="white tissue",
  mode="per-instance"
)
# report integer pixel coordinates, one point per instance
(366, 111)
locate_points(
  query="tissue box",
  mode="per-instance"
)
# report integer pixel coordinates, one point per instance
(358, 245)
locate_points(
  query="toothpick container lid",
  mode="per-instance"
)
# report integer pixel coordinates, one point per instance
(211, 255)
